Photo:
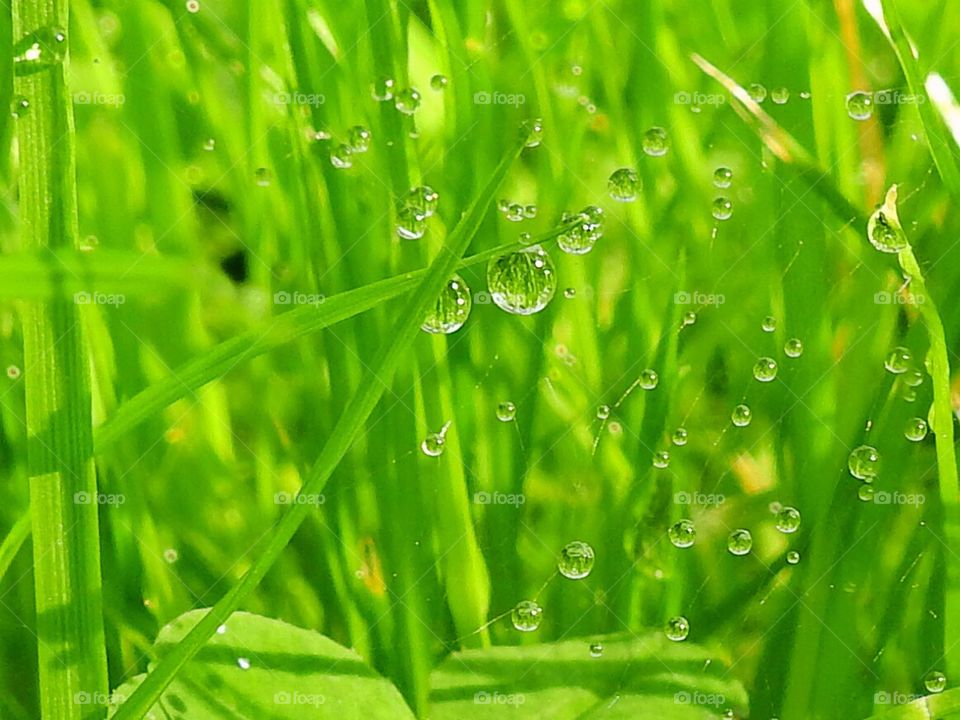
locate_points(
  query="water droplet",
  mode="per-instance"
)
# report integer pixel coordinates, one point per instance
(506, 411)
(243, 663)
(407, 100)
(582, 237)
(570, 293)
(19, 106)
(741, 416)
(935, 681)
(513, 212)
(526, 616)
(769, 324)
(221, 630)
(757, 92)
(209, 144)
(677, 628)
(262, 176)
(434, 444)
(722, 177)
(721, 209)
(359, 139)
(624, 184)
(913, 378)
(170, 555)
(689, 318)
(342, 157)
(382, 89)
(38, 51)
(793, 557)
(780, 95)
(649, 379)
(765, 370)
(525, 238)
(859, 105)
(576, 560)
(883, 229)
(916, 429)
(596, 650)
(679, 437)
(522, 282)
(452, 308)
(603, 412)
(529, 211)
(739, 542)
(656, 142)
(864, 463)
(13, 372)
(193, 6)
(438, 82)
(411, 223)
(533, 132)
(682, 534)
(788, 520)
(661, 459)
(793, 348)
(898, 360)
(424, 199)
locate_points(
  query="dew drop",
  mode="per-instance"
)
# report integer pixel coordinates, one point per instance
(740, 542)
(899, 360)
(656, 142)
(603, 412)
(864, 463)
(677, 628)
(506, 411)
(170, 555)
(916, 429)
(532, 132)
(757, 92)
(434, 444)
(382, 89)
(243, 663)
(424, 199)
(39, 50)
(411, 223)
(596, 650)
(529, 211)
(793, 348)
(262, 176)
(522, 282)
(13, 372)
(913, 378)
(722, 177)
(859, 105)
(866, 492)
(438, 82)
(765, 369)
(19, 106)
(780, 95)
(359, 139)
(576, 560)
(689, 318)
(526, 616)
(513, 212)
(769, 324)
(452, 308)
(193, 6)
(407, 101)
(570, 293)
(624, 185)
(580, 239)
(883, 228)
(793, 557)
(935, 681)
(649, 379)
(661, 459)
(788, 520)
(679, 437)
(722, 209)
(741, 416)
(682, 534)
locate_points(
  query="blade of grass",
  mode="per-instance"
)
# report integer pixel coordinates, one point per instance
(13, 542)
(933, 128)
(66, 549)
(376, 379)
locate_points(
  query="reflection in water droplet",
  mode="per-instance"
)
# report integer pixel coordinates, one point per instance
(576, 560)
(526, 616)
(451, 310)
(522, 282)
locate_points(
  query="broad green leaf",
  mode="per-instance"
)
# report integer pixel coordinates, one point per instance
(259, 667)
(634, 677)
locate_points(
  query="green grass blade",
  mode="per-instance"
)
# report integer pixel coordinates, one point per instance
(376, 378)
(13, 542)
(936, 133)
(66, 549)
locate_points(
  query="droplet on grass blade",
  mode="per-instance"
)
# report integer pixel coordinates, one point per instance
(677, 628)
(682, 534)
(742, 415)
(656, 142)
(765, 369)
(859, 105)
(526, 616)
(899, 360)
(451, 310)
(740, 542)
(864, 462)
(722, 177)
(576, 560)
(522, 282)
(624, 185)
(788, 520)
(883, 228)
(722, 209)
(39, 50)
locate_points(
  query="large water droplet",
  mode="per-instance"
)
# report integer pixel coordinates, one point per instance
(741, 416)
(864, 462)
(656, 142)
(722, 209)
(722, 177)
(576, 560)
(580, 239)
(859, 105)
(649, 379)
(424, 199)
(740, 542)
(793, 348)
(526, 616)
(39, 50)
(434, 444)
(935, 681)
(407, 101)
(916, 429)
(677, 628)
(522, 282)
(411, 223)
(898, 360)
(452, 308)
(682, 533)
(679, 437)
(624, 185)
(765, 369)
(788, 520)
(883, 228)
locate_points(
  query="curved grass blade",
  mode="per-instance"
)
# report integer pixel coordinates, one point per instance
(940, 150)
(13, 542)
(376, 379)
